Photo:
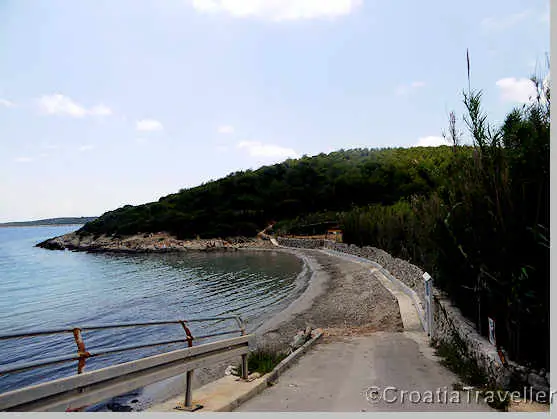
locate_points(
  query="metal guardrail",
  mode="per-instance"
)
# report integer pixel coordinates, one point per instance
(79, 391)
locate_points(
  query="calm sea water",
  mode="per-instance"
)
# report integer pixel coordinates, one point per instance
(44, 289)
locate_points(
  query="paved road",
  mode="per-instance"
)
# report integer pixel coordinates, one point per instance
(337, 372)
(335, 375)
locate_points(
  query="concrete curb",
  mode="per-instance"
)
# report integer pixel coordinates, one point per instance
(269, 378)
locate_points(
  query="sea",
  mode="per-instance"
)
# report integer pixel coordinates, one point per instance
(50, 289)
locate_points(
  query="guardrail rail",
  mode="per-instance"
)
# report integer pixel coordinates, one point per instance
(79, 391)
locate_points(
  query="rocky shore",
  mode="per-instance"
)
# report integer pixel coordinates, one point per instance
(148, 243)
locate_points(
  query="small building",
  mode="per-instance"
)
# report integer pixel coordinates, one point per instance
(334, 234)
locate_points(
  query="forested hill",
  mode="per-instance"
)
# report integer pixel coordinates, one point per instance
(244, 202)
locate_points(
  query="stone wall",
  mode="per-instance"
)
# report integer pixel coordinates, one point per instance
(449, 325)
(405, 272)
(300, 243)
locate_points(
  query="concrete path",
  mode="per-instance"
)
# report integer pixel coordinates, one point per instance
(387, 371)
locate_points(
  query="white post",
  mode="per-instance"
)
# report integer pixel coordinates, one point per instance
(428, 303)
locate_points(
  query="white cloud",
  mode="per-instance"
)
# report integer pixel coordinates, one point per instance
(431, 141)
(278, 10)
(226, 129)
(404, 89)
(504, 22)
(100, 110)
(86, 147)
(148, 125)
(23, 159)
(258, 149)
(517, 90)
(58, 104)
(6, 103)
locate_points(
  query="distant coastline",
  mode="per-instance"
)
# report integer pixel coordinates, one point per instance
(61, 221)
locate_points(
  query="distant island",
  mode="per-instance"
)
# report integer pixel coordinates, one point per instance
(50, 222)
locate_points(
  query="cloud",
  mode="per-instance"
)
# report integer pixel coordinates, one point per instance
(86, 147)
(23, 159)
(517, 90)
(226, 129)
(58, 104)
(6, 103)
(278, 10)
(100, 110)
(61, 105)
(431, 141)
(258, 149)
(404, 89)
(148, 125)
(504, 22)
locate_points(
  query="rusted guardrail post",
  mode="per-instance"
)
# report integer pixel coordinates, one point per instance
(188, 404)
(81, 351)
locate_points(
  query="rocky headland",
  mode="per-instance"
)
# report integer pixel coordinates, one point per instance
(148, 243)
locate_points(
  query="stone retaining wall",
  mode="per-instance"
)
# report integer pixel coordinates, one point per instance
(449, 325)
(300, 243)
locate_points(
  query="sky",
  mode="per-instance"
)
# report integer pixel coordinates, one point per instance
(105, 103)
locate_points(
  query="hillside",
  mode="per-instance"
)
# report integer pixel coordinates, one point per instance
(245, 202)
(50, 222)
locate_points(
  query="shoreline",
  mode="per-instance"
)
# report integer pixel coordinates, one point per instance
(314, 284)
(148, 243)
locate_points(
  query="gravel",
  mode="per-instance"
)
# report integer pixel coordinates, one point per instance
(353, 302)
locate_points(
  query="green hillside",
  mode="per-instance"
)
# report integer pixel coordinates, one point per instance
(245, 202)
